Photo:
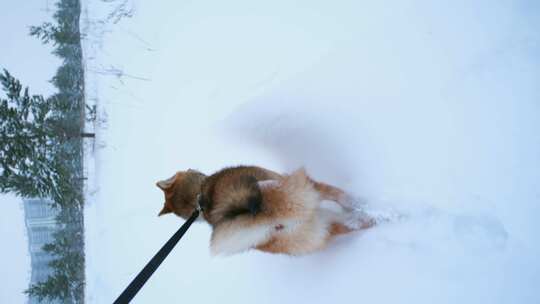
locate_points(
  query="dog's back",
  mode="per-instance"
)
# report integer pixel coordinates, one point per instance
(233, 191)
(287, 220)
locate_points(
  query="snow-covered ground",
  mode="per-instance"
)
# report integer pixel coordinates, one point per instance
(430, 108)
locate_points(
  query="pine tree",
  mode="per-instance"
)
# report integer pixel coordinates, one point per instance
(55, 287)
(27, 145)
(39, 151)
(58, 139)
(67, 281)
(47, 32)
(66, 29)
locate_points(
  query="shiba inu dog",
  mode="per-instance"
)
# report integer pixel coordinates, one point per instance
(254, 208)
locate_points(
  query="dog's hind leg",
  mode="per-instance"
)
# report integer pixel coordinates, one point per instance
(332, 193)
(345, 222)
(338, 228)
(358, 220)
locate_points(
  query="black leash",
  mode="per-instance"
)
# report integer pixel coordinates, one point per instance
(154, 263)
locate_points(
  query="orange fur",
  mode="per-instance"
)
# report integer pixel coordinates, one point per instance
(255, 208)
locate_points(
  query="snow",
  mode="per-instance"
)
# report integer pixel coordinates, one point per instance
(428, 109)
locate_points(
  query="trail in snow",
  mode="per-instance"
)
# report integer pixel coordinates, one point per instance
(426, 109)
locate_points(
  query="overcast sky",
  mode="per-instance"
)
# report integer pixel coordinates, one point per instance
(30, 61)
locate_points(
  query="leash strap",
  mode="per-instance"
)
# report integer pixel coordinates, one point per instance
(143, 276)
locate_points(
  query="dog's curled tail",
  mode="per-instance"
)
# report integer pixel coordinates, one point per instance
(244, 192)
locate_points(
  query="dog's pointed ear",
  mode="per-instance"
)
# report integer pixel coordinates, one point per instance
(167, 183)
(165, 210)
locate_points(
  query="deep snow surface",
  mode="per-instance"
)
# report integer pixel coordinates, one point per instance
(427, 108)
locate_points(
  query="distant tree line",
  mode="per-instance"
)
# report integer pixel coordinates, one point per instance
(41, 151)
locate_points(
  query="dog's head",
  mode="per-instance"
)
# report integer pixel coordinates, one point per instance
(181, 192)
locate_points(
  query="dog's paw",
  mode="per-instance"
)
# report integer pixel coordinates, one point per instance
(382, 215)
(363, 210)
(357, 220)
(351, 203)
